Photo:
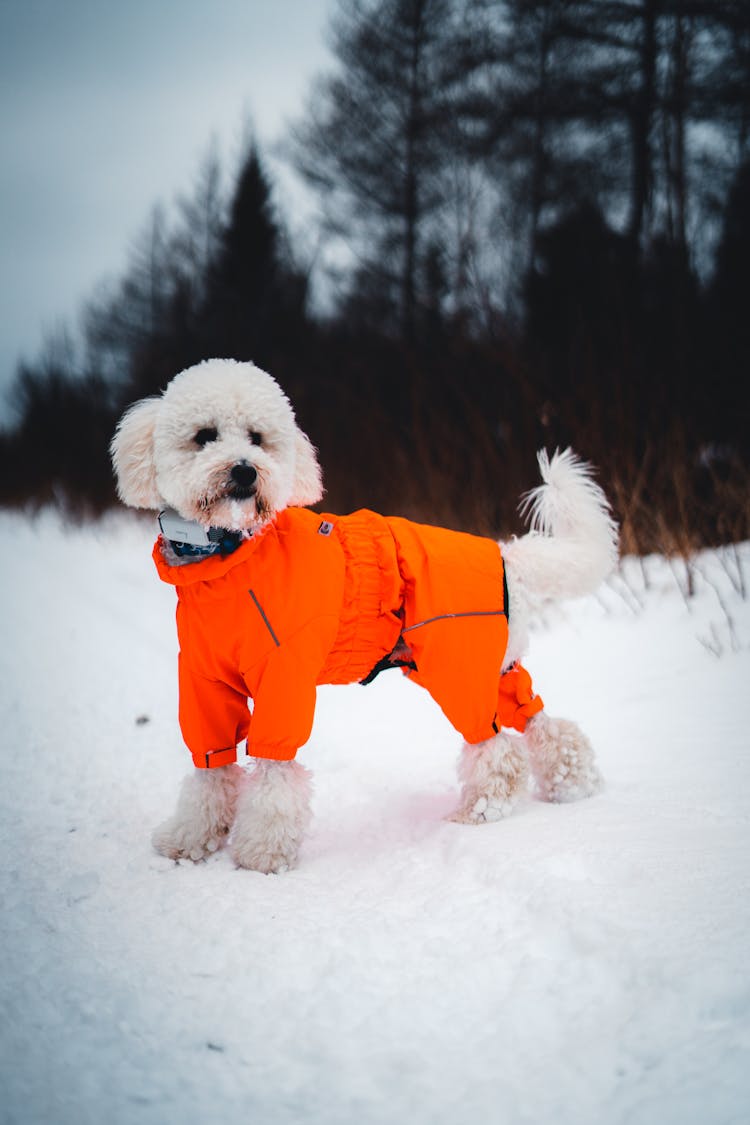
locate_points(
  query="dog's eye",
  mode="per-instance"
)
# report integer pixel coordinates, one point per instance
(204, 436)
(256, 438)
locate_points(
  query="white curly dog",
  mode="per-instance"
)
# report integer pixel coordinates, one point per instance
(273, 599)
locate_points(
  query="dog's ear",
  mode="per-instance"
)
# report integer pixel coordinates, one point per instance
(308, 480)
(132, 451)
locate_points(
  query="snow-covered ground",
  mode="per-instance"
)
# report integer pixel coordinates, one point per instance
(574, 964)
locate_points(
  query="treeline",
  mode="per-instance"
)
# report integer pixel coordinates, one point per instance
(535, 230)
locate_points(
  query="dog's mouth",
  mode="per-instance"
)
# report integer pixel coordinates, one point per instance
(242, 491)
(237, 506)
(242, 482)
(236, 501)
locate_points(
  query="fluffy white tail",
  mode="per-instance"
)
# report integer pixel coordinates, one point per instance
(572, 544)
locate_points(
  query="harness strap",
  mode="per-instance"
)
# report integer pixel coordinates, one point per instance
(389, 661)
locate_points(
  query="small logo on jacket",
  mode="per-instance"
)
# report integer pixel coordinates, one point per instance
(325, 528)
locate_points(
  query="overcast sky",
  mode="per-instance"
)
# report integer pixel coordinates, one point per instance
(106, 108)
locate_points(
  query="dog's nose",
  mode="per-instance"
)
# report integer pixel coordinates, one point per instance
(243, 474)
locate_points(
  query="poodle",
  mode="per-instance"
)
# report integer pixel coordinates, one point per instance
(273, 599)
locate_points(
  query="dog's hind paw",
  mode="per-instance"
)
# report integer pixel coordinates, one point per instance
(562, 760)
(572, 781)
(493, 775)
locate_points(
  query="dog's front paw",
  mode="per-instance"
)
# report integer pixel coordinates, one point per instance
(178, 840)
(273, 815)
(204, 814)
(254, 856)
(482, 809)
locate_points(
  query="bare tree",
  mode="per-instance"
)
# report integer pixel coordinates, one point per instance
(123, 317)
(372, 142)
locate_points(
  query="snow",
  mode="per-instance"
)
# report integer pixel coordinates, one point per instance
(582, 963)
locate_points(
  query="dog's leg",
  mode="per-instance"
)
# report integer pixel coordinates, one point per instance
(273, 815)
(492, 775)
(562, 760)
(204, 814)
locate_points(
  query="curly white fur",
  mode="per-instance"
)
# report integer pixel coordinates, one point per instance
(157, 462)
(562, 759)
(273, 815)
(569, 550)
(493, 776)
(205, 812)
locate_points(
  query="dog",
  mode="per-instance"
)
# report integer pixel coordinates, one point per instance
(274, 599)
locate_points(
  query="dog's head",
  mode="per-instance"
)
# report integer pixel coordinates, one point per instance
(220, 446)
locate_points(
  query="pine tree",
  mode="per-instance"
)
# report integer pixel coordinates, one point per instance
(255, 296)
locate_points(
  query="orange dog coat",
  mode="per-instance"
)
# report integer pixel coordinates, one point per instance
(317, 599)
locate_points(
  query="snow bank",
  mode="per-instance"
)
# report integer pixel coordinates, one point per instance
(583, 963)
